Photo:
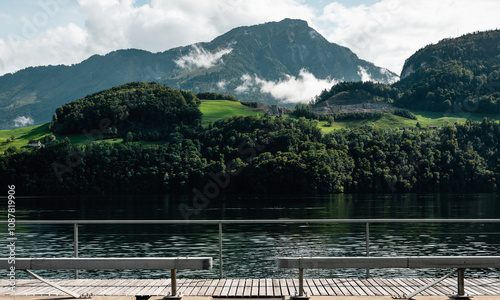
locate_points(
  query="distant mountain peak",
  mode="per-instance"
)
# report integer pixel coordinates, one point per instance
(275, 63)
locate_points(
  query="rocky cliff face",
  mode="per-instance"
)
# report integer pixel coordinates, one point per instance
(274, 110)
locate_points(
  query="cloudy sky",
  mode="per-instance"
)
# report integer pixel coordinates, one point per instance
(386, 32)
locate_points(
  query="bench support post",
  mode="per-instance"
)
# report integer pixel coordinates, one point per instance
(173, 283)
(173, 274)
(461, 286)
(301, 294)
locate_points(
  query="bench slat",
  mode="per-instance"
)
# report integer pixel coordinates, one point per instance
(412, 262)
(454, 262)
(342, 262)
(110, 263)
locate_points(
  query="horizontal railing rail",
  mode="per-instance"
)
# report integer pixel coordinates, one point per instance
(220, 223)
(255, 221)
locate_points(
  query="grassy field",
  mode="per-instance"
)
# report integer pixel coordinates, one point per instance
(22, 136)
(214, 110)
(425, 119)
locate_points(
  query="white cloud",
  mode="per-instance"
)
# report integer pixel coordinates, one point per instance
(60, 45)
(68, 31)
(247, 85)
(390, 31)
(159, 25)
(23, 121)
(222, 84)
(201, 58)
(292, 89)
(363, 73)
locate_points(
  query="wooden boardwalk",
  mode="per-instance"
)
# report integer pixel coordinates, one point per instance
(253, 287)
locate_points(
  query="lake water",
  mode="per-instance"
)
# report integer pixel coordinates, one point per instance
(249, 251)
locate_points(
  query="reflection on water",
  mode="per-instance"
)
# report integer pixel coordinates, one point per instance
(249, 251)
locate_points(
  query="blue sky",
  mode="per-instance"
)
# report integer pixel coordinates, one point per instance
(386, 32)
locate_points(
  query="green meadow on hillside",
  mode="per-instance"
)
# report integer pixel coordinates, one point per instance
(214, 110)
(425, 118)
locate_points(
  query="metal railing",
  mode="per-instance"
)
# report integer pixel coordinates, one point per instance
(220, 223)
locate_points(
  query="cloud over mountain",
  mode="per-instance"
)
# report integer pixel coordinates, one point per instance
(292, 89)
(201, 58)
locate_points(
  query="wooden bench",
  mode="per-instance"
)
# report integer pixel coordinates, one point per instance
(110, 263)
(459, 263)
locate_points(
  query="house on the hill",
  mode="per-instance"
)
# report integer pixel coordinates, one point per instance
(432, 127)
(35, 143)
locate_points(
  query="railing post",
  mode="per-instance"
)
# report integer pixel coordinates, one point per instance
(220, 250)
(367, 246)
(75, 241)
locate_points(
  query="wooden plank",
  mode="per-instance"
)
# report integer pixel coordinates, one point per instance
(188, 287)
(283, 287)
(377, 292)
(403, 286)
(182, 284)
(490, 284)
(262, 289)
(353, 287)
(212, 287)
(432, 291)
(233, 288)
(376, 287)
(345, 287)
(204, 287)
(310, 287)
(240, 291)
(43, 289)
(321, 288)
(269, 288)
(470, 288)
(389, 287)
(138, 286)
(336, 290)
(366, 289)
(292, 288)
(276, 288)
(219, 287)
(126, 287)
(84, 286)
(199, 285)
(247, 292)
(117, 285)
(225, 289)
(154, 288)
(447, 286)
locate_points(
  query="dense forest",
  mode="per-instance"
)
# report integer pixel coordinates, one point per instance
(266, 155)
(455, 74)
(148, 110)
